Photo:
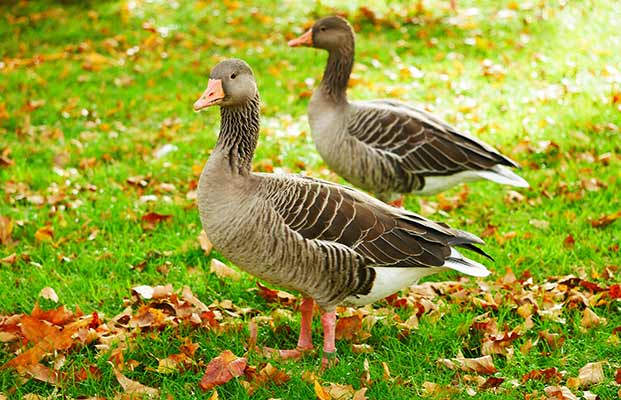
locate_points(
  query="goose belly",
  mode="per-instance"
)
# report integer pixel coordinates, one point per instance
(389, 280)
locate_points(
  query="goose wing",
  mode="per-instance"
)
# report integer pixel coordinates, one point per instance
(419, 141)
(383, 235)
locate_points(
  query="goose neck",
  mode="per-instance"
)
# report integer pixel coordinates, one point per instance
(239, 133)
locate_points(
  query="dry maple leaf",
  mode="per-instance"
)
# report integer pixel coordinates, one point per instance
(205, 243)
(606, 220)
(348, 327)
(44, 234)
(267, 374)
(222, 369)
(591, 373)
(150, 220)
(276, 296)
(590, 320)
(320, 391)
(49, 294)
(134, 388)
(546, 375)
(559, 393)
(6, 229)
(481, 365)
(222, 270)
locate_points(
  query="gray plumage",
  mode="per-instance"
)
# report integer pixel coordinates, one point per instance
(384, 146)
(327, 241)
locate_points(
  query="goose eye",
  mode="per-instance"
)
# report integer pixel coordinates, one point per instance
(323, 29)
(233, 76)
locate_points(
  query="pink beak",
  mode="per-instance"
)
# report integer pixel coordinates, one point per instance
(211, 96)
(305, 40)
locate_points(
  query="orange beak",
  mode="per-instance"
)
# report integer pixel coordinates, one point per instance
(305, 40)
(211, 96)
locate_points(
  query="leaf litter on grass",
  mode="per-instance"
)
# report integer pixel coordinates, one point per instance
(39, 339)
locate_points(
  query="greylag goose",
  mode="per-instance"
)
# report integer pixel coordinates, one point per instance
(387, 147)
(333, 244)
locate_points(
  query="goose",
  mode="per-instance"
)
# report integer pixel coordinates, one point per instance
(387, 147)
(333, 244)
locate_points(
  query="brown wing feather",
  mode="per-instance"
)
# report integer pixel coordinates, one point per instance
(420, 142)
(384, 235)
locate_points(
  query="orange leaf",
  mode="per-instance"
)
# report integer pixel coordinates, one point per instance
(222, 369)
(276, 296)
(348, 327)
(44, 234)
(6, 228)
(606, 220)
(321, 392)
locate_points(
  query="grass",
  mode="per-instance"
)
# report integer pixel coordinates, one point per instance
(117, 80)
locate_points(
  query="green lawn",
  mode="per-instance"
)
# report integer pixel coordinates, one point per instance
(97, 130)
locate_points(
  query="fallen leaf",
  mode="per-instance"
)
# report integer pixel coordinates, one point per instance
(205, 243)
(49, 294)
(151, 220)
(6, 229)
(321, 392)
(546, 375)
(134, 388)
(276, 296)
(591, 320)
(618, 376)
(348, 327)
(44, 234)
(606, 220)
(559, 393)
(222, 270)
(222, 369)
(481, 365)
(591, 373)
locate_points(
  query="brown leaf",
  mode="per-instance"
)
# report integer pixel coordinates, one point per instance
(150, 220)
(348, 327)
(481, 365)
(49, 294)
(559, 393)
(276, 296)
(42, 373)
(222, 270)
(6, 229)
(546, 375)
(134, 388)
(222, 369)
(155, 292)
(618, 376)
(569, 241)
(267, 374)
(44, 234)
(606, 220)
(591, 320)
(591, 373)
(554, 340)
(205, 243)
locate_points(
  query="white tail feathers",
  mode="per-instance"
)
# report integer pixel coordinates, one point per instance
(458, 262)
(503, 175)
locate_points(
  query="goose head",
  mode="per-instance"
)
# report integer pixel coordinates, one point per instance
(329, 33)
(231, 83)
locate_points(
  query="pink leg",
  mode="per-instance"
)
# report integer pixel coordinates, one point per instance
(397, 203)
(306, 309)
(328, 321)
(305, 342)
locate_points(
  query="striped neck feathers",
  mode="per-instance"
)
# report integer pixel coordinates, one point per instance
(239, 133)
(337, 72)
